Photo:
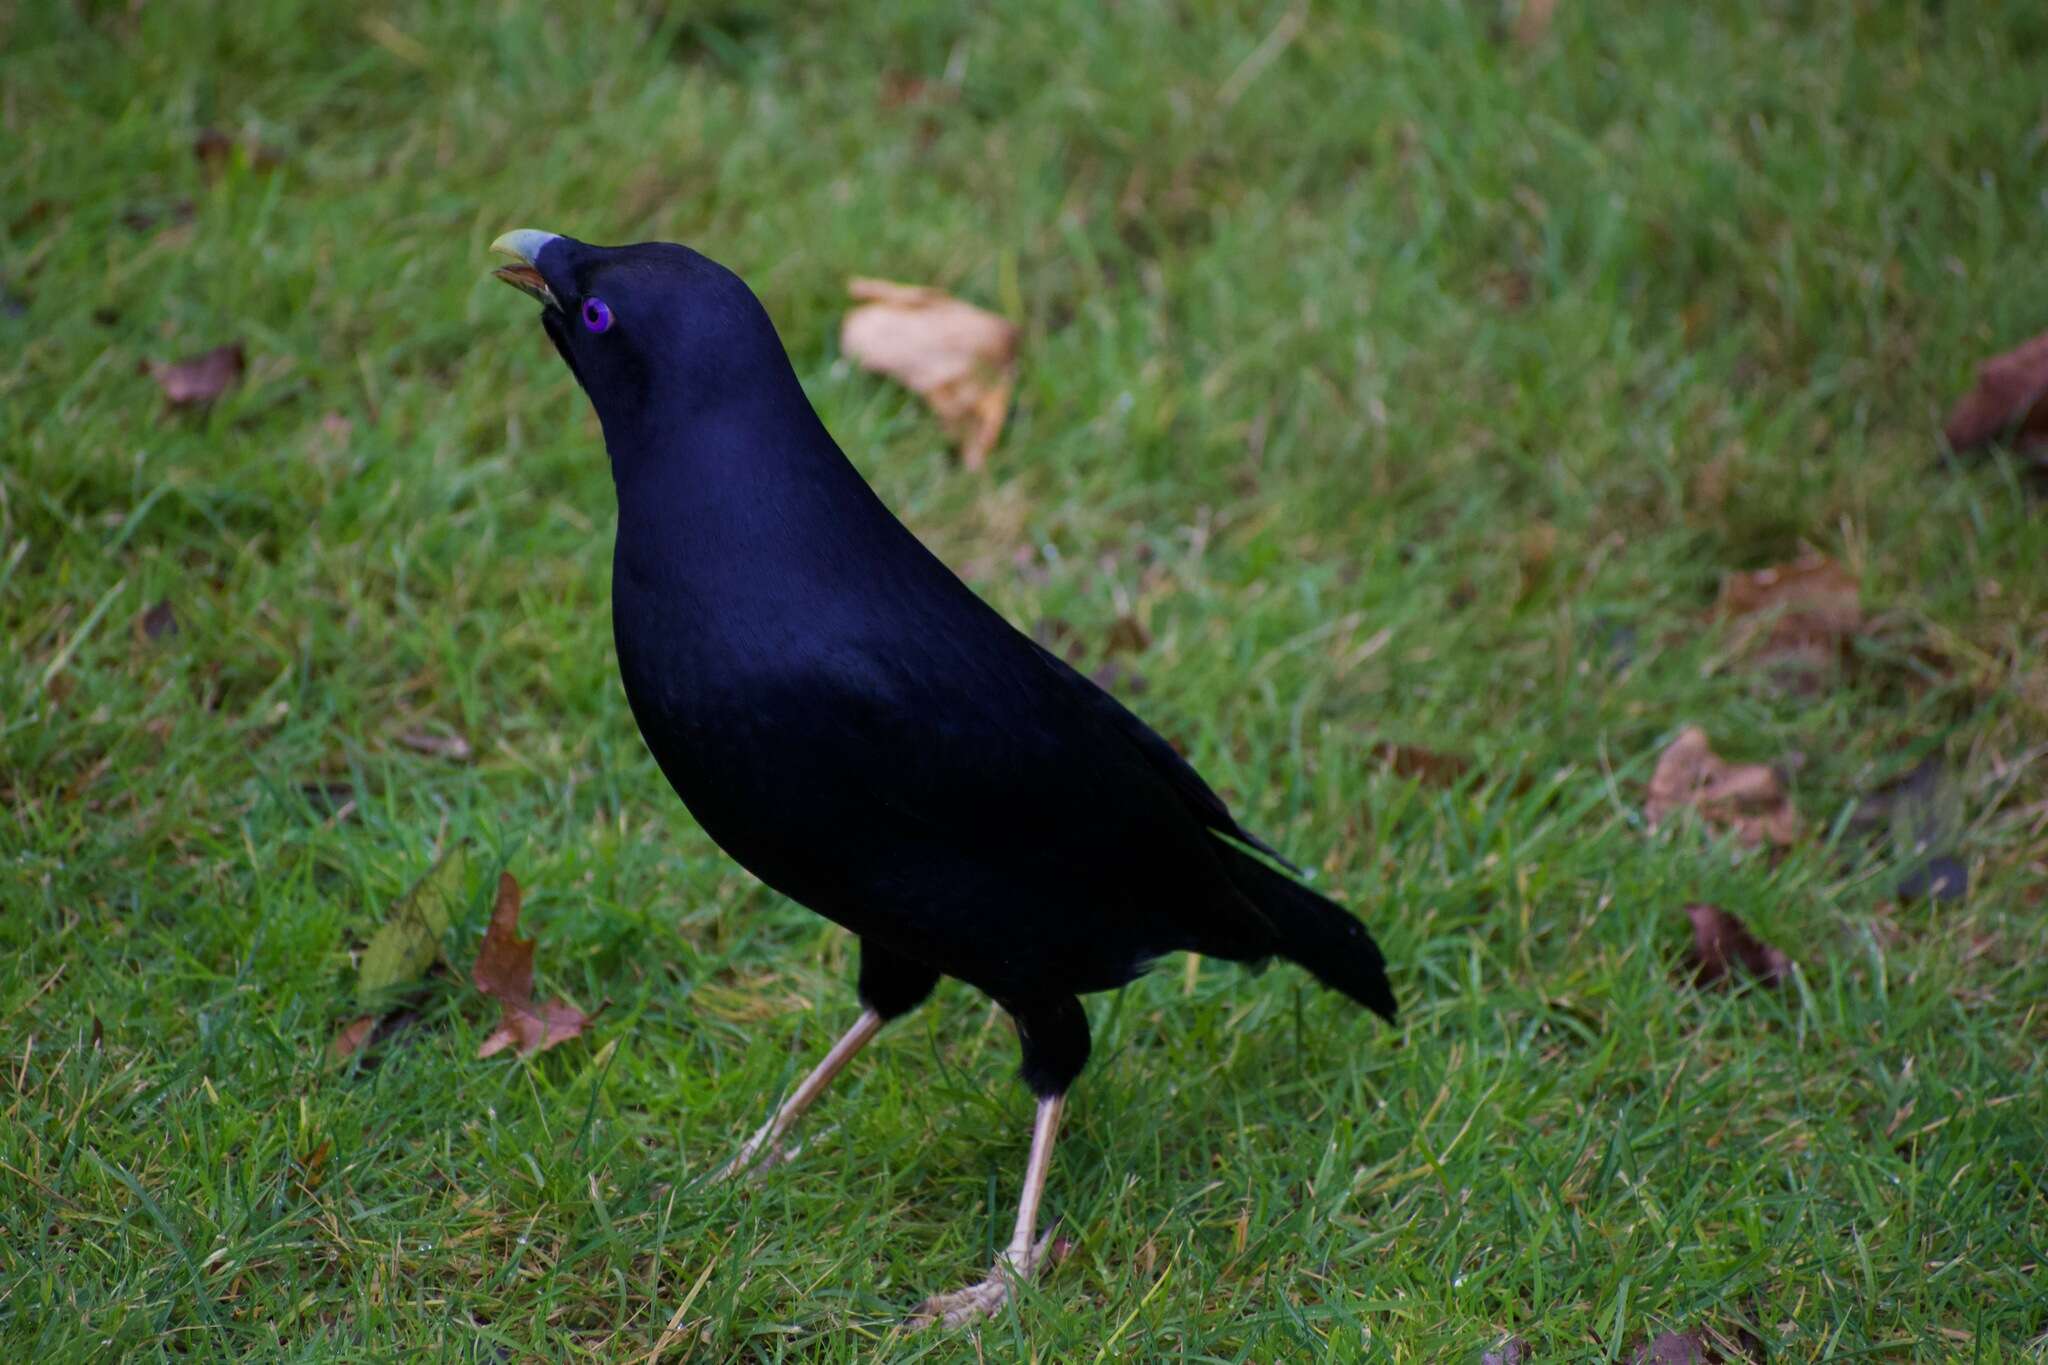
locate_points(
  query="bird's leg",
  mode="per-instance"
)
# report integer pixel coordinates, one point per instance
(1025, 1251)
(770, 1135)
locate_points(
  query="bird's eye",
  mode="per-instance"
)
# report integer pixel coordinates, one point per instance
(596, 316)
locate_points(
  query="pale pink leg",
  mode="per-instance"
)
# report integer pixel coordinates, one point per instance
(1025, 1251)
(769, 1138)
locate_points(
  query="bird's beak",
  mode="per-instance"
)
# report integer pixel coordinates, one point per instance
(523, 245)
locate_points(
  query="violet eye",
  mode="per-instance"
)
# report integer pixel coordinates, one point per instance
(596, 316)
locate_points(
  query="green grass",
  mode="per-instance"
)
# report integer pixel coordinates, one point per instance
(1326, 318)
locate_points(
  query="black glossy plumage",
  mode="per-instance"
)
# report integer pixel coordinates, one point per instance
(857, 728)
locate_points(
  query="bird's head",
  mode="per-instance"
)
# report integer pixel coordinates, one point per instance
(657, 335)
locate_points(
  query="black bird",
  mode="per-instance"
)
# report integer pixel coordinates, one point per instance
(861, 732)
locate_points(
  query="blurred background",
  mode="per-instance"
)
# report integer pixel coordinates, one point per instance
(1404, 395)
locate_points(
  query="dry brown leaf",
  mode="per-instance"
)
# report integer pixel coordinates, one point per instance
(2011, 392)
(504, 972)
(960, 359)
(1426, 766)
(1532, 21)
(534, 1028)
(354, 1035)
(1797, 613)
(216, 151)
(1126, 635)
(1721, 943)
(1744, 797)
(504, 964)
(200, 378)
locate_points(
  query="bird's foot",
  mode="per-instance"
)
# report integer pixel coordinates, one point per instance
(759, 1156)
(983, 1300)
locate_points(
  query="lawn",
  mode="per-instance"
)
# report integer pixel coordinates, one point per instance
(1392, 375)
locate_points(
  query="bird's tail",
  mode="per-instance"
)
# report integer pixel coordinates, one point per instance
(1316, 932)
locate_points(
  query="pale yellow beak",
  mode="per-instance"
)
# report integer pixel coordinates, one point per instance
(523, 245)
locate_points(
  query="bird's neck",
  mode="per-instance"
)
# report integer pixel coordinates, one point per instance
(749, 497)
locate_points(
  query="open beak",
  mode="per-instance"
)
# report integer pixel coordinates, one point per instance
(524, 245)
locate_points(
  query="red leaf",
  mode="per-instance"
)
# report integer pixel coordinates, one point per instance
(2012, 389)
(535, 1028)
(504, 972)
(504, 964)
(200, 378)
(1721, 943)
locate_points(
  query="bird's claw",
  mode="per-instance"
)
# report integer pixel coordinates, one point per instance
(757, 1157)
(752, 1162)
(984, 1300)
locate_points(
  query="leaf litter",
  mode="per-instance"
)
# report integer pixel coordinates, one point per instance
(504, 972)
(410, 944)
(1722, 945)
(200, 378)
(2011, 395)
(1793, 617)
(962, 360)
(1746, 799)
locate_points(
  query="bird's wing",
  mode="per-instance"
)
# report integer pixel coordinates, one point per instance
(968, 763)
(1200, 799)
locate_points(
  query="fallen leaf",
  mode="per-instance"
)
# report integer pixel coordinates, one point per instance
(314, 1164)
(504, 963)
(1797, 614)
(368, 1031)
(960, 359)
(453, 747)
(1513, 1351)
(1532, 21)
(1426, 766)
(1536, 549)
(409, 941)
(2011, 393)
(534, 1028)
(1671, 1348)
(504, 972)
(1700, 1347)
(200, 378)
(352, 1037)
(1721, 942)
(1746, 798)
(159, 621)
(1127, 635)
(216, 152)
